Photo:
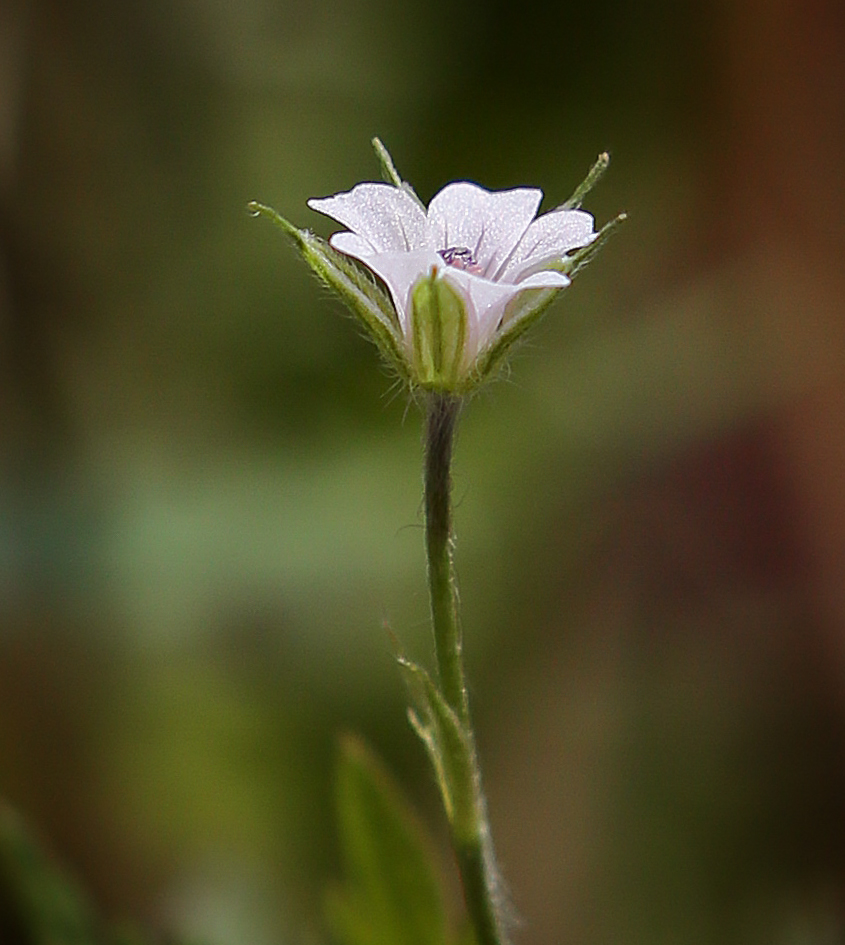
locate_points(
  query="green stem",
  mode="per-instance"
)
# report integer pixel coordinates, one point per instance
(441, 419)
(474, 850)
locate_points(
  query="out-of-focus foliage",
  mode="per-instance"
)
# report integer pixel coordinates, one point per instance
(38, 904)
(392, 890)
(209, 492)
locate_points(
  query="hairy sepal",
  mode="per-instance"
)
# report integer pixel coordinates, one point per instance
(528, 307)
(569, 265)
(390, 174)
(522, 312)
(355, 287)
(438, 330)
(595, 174)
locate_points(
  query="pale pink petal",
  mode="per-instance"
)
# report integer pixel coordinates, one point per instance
(399, 271)
(390, 234)
(352, 245)
(387, 217)
(488, 300)
(548, 239)
(464, 215)
(486, 304)
(545, 279)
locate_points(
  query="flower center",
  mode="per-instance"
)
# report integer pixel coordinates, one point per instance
(460, 257)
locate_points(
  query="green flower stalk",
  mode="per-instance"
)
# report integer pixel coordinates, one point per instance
(445, 292)
(457, 755)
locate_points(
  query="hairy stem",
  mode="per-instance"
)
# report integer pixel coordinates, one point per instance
(441, 419)
(473, 848)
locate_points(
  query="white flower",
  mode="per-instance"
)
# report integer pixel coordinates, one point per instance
(466, 278)
(486, 246)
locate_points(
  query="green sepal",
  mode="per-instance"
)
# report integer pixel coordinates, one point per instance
(354, 285)
(449, 747)
(438, 330)
(522, 312)
(572, 264)
(390, 174)
(391, 891)
(595, 174)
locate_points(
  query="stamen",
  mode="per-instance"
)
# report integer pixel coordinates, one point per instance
(460, 257)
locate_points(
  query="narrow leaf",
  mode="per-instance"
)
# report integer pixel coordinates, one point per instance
(37, 898)
(391, 893)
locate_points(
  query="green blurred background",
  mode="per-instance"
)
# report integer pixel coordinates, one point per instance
(210, 490)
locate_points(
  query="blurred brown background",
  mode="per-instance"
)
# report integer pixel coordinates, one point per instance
(209, 496)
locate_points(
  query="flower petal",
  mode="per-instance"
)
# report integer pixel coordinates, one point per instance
(352, 245)
(398, 270)
(486, 303)
(387, 217)
(545, 279)
(490, 224)
(548, 239)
